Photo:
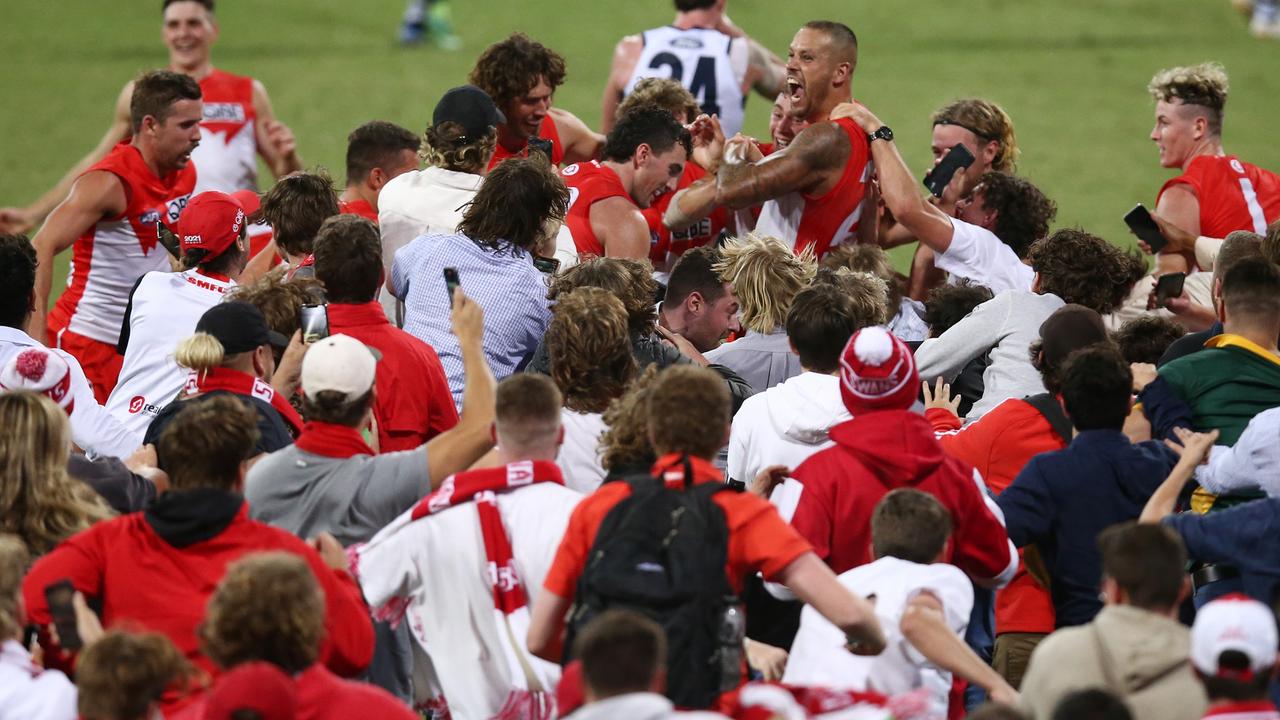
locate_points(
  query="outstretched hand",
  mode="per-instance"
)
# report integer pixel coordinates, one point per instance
(858, 113)
(708, 142)
(1192, 447)
(940, 397)
(1176, 239)
(15, 220)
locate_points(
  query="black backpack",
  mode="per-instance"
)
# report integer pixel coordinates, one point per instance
(662, 553)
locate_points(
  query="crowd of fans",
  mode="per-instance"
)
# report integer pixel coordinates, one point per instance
(638, 425)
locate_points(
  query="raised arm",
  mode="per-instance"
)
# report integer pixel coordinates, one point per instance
(813, 582)
(621, 228)
(581, 143)
(276, 144)
(1193, 449)
(924, 626)
(94, 196)
(803, 165)
(18, 220)
(625, 55)
(463, 444)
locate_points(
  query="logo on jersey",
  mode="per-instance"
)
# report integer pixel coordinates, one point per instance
(150, 217)
(570, 171)
(1235, 165)
(174, 207)
(224, 112)
(139, 404)
(687, 43)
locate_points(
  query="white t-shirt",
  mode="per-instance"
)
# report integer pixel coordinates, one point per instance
(819, 657)
(163, 311)
(579, 456)
(977, 255)
(28, 692)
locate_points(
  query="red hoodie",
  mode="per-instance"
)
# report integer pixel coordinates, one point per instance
(881, 451)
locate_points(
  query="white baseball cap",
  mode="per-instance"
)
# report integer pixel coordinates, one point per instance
(1233, 622)
(339, 363)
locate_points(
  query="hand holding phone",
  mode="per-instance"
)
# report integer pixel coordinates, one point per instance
(169, 240)
(541, 145)
(59, 596)
(957, 158)
(1169, 286)
(313, 320)
(1144, 226)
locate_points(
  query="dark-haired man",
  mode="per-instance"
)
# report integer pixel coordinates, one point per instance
(1062, 500)
(521, 75)
(237, 118)
(813, 189)
(702, 50)
(643, 157)
(377, 151)
(994, 224)
(1135, 647)
(110, 217)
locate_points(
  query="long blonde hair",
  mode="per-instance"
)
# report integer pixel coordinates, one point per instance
(39, 501)
(989, 122)
(766, 276)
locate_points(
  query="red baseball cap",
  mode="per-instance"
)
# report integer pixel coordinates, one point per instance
(211, 221)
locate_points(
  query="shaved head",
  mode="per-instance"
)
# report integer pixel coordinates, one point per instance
(844, 43)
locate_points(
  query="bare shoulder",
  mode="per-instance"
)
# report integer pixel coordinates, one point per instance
(820, 145)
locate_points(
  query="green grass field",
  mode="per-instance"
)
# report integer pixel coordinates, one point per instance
(1072, 74)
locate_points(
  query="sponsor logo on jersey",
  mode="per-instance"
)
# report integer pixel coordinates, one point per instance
(570, 171)
(687, 43)
(150, 217)
(1235, 165)
(700, 229)
(174, 207)
(139, 404)
(224, 112)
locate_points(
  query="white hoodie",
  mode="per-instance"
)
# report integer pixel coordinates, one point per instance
(785, 424)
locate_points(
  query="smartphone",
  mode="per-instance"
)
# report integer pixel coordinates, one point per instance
(546, 266)
(169, 239)
(313, 320)
(956, 159)
(58, 595)
(542, 145)
(451, 282)
(1140, 222)
(1169, 286)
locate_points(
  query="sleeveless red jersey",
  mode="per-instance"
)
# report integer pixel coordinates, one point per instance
(227, 156)
(358, 207)
(114, 252)
(821, 222)
(589, 183)
(669, 246)
(547, 130)
(1233, 194)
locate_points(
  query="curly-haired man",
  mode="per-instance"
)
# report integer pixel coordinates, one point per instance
(521, 75)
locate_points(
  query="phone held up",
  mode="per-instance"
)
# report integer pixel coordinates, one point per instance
(541, 145)
(314, 322)
(1169, 286)
(1144, 226)
(451, 282)
(58, 595)
(957, 158)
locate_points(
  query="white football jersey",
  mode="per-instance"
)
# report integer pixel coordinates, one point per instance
(707, 62)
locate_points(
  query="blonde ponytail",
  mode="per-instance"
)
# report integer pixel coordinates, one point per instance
(201, 352)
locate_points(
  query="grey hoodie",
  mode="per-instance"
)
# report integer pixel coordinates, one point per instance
(1141, 656)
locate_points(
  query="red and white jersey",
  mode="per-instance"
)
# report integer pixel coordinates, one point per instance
(1233, 194)
(589, 183)
(710, 64)
(669, 246)
(163, 311)
(546, 130)
(114, 252)
(826, 221)
(227, 156)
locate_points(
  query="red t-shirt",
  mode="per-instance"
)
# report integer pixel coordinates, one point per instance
(759, 539)
(668, 245)
(358, 207)
(589, 183)
(413, 402)
(1233, 194)
(999, 445)
(547, 130)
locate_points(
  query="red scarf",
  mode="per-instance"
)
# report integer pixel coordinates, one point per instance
(481, 486)
(234, 381)
(332, 440)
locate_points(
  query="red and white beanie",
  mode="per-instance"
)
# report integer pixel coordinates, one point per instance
(877, 372)
(39, 370)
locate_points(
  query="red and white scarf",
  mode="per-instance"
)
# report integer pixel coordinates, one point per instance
(234, 381)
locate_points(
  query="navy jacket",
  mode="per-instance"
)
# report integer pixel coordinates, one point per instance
(1063, 499)
(1242, 537)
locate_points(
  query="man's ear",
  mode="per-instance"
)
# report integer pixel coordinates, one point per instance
(1201, 125)
(989, 152)
(377, 178)
(992, 217)
(842, 73)
(641, 155)
(693, 302)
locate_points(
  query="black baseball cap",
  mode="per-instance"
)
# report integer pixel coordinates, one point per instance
(240, 327)
(470, 107)
(1070, 328)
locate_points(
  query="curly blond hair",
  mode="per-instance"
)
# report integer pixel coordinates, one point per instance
(1204, 85)
(666, 93)
(39, 501)
(766, 275)
(989, 122)
(589, 346)
(447, 147)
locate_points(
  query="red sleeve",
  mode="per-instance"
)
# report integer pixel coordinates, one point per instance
(759, 540)
(78, 559)
(348, 642)
(982, 547)
(813, 517)
(973, 443)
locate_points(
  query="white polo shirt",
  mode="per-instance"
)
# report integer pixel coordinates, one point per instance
(977, 255)
(819, 657)
(163, 311)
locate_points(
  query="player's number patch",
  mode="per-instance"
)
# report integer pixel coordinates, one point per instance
(703, 83)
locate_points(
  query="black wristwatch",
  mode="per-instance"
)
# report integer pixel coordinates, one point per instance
(883, 133)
